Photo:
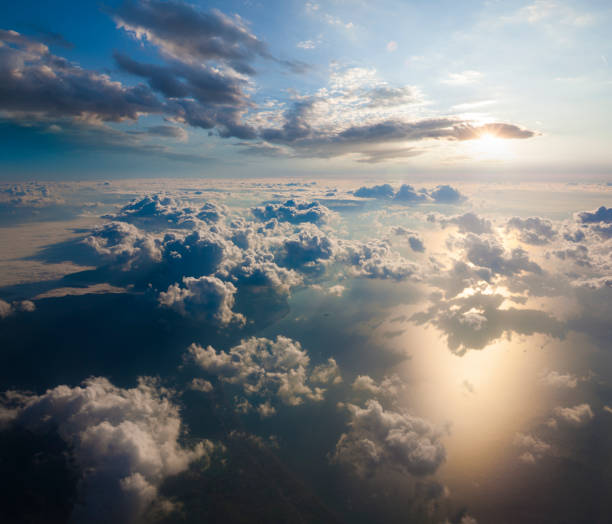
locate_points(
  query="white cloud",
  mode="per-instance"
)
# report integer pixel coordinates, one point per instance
(124, 441)
(388, 439)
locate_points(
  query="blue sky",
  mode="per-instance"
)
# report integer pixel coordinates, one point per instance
(386, 88)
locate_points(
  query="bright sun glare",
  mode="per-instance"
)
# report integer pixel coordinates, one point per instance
(490, 146)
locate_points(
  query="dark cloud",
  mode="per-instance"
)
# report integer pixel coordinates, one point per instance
(183, 32)
(35, 81)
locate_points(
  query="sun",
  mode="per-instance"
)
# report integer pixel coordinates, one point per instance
(490, 146)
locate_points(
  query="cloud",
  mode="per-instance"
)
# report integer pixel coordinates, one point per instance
(475, 321)
(560, 380)
(37, 82)
(125, 442)
(443, 194)
(534, 230)
(267, 371)
(463, 78)
(382, 191)
(388, 439)
(575, 416)
(206, 297)
(532, 448)
(375, 259)
(167, 211)
(466, 223)
(414, 240)
(30, 194)
(7, 309)
(389, 387)
(294, 211)
(601, 219)
(487, 253)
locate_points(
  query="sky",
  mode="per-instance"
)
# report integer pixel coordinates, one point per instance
(343, 88)
(308, 262)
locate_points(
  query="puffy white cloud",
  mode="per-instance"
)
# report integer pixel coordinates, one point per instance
(124, 441)
(205, 297)
(388, 439)
(165, 210)
(124, 245)
(376, 259)
(267, 370)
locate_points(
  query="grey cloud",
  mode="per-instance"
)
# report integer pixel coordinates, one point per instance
(186, 33)
(35, 81)
(533, 230)
(414, 240)
(487, 253)
(466, 223)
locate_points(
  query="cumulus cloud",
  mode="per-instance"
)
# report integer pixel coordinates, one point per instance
(168, 211)
(205, 297)
(382, 191)
(267, 371)
(125, 442)
(388, 439)
(601, 220)
(294, 211)
(376, 259)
